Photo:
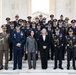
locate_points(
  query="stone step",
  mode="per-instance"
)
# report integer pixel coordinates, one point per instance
(50, 62)
(43, 73)
(38, 64)
(38, 70)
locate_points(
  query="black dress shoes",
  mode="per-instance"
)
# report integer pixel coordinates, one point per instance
(14, 68)
(61, 68)
(55, 68)
(1, 68)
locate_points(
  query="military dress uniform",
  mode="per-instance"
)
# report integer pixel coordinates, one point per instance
(58, 44)
(40, 20)
(37, 21)
(22, 28)
(29, 20)
(18, 37)
(8, 25)
(71, 49)
(61, 18)
(73, 27)
(11, 31)
(4, 47)
(44, 25)
(16, 21)
(51, 21)
(67, 24)
(54, 25)
(27, 33)
(37, 35)
(50, 32)
(33, 27)
(63, 32)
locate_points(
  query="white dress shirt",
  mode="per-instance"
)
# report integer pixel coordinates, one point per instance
(44, 36)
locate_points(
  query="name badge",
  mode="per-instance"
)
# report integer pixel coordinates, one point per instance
(14, 35)
(7, 36)
(74, 38)
(60, 35)
(21, 34)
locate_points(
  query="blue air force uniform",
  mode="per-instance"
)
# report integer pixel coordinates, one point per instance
(18, 37)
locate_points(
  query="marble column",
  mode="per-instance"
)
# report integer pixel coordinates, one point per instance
(12, 7)
(29, 2)
(60, 8)
(0, 12)
(52, 7)
(6, 9)
(73, 9)
(66, 8)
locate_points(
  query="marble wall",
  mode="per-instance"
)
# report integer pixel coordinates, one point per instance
(12, 7)
(65, 7)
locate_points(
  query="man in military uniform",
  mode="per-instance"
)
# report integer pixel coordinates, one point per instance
(20, 22)
(40, 19)
(27, 30)
(37, 35)
(4, 47)
(22, 28)
(8, 24)
(54, 25)
(34, 26)
(51, 19)
(29, 20)
(18, 40)
(27, 33)
(58, 43)
(24, 23)
(71, 48)
(67, 24)
(12, 28)
(44, 25)
(50, 32)
(16, 20)
(36, 20)
(63, 32)
(61, 18)
(73, 22)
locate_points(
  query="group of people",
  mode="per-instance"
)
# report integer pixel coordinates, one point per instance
(27, 38)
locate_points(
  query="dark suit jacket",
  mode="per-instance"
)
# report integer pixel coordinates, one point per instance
(42, 42)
